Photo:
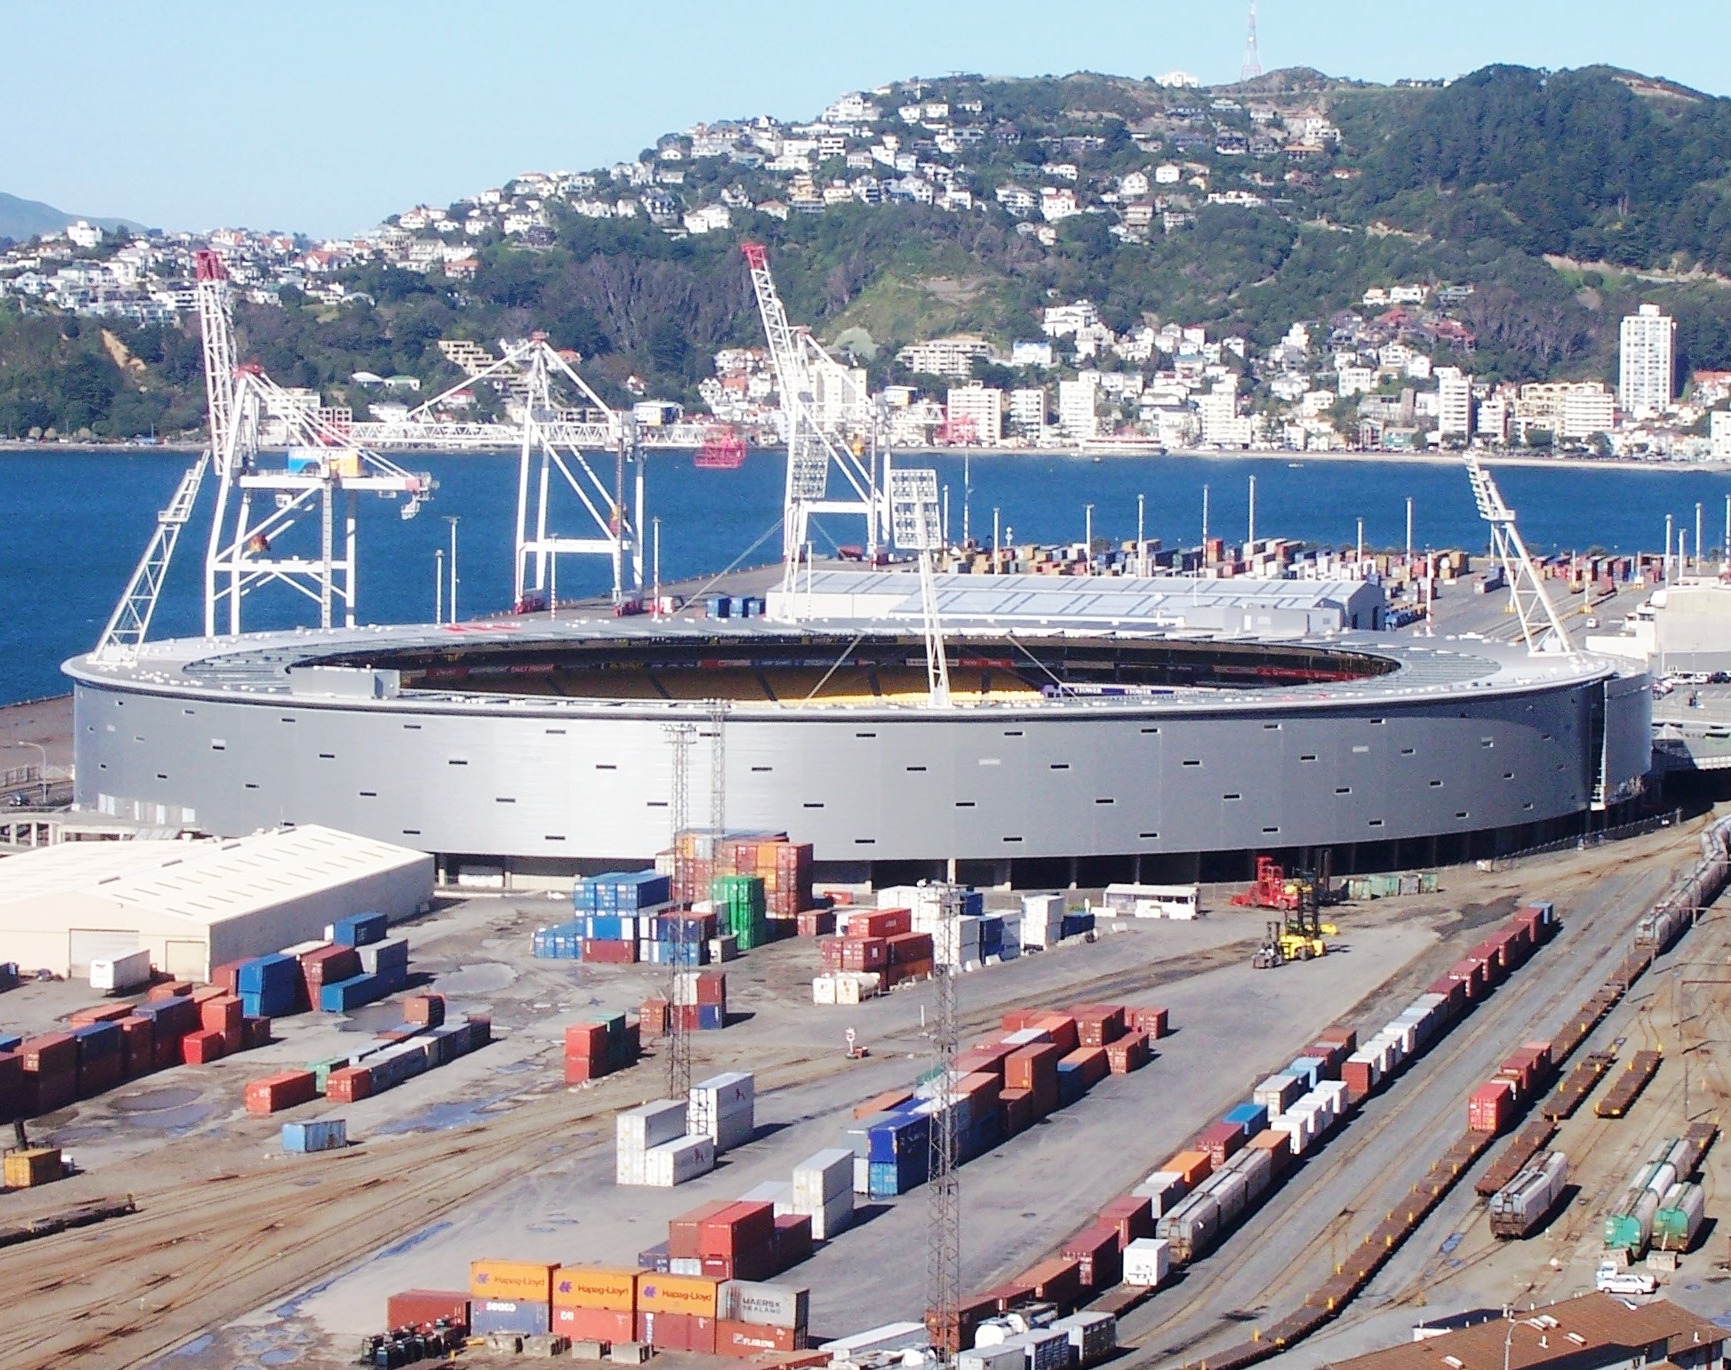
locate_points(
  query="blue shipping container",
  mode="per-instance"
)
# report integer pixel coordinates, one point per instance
(266, 973)
(1253, 1117)
(501, 1315)
(1075, 924)
(359, 930)
(1309, 1069)
(1071, 1085)
(329, 1134)
(903, 1135)
(10, 1043)
(96, 1041)
(711, 1017)
(352, 993)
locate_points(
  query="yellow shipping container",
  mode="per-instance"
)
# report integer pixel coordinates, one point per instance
(595, 1286)
(525, 1280)
(25, 1169)
(693, 1294)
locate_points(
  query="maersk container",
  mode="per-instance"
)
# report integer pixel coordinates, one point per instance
(1677, 1222)
(326, 1134)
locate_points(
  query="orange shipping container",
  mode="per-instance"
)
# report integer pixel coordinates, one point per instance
(595, 1286)
(529, 1281)
(1194, 1166)
(882, 1103)
(692, 1294)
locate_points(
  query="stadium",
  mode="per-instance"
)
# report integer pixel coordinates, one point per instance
(1098, 729)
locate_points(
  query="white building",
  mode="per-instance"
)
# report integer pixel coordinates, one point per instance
(1647, 354)
(980, 406)
(1720, 428)
(1076, 405)
(945, 356)
(1069, 318)
(1588, 409)
(1454, 403)
(1028, 411)
(1218, 411)
(1027, 352)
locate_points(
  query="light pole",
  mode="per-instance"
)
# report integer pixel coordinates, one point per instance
(967, 494)
(998, 566)
(1205, 522)
(1361, 546)
(1251, 537)
(655, 538)
(1088, 526)
(1697, 535)
(438, 585)
(1141, 540)
(1409, 533)
(452, 519)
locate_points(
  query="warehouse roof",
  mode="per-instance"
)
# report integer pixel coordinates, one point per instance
(204, 881)
(1590, 1330)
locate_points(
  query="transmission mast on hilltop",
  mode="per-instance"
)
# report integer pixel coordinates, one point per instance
(1252, 68)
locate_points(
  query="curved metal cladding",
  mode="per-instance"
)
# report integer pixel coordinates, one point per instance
(537, 778)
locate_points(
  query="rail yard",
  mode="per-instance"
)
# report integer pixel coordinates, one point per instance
(235, 1250)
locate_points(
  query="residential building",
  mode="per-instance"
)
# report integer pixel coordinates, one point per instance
(1588, 408)
(977, 406)
(1719, 425)
(82, 234)
(1070, 318)
(1494, 417)
(1027, 352)
(952, 356)
(1077, 401)
(1028, 411)
(1454, 403)
(1647, 356)
(1218, 411)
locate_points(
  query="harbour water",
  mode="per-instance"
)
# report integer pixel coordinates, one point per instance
(77, 522)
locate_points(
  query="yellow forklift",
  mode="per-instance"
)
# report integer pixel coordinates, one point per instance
(1302, 935)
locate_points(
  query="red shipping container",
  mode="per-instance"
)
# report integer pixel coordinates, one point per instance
(220, 1013)
(1018, 1019)
(421, 1308)
(1033, 1067)
(682, 1232)
(1098, 1256)
(11, 1085)
(1131, 1217)
(1330, 1054)
(287, 1089)
(1343, 1037)
(1490, 1106)
(880, 923)
(908, 947)
(586, 1042)
(137, 1037)
(744, 1340)
(101, 1075)
(1062, 1028)
(712, 987)
(234, 1041)
(165, 1047)
(594, 1324)
(349, 1085)
(1004, 1297)
(1221, 1141)
(982, 1088)
(226, 977)
(45, 1093)
(882, 1103)
(1128, 1054)
(608, 953)
(201, 1048)
(256, 1033)
(169, 989)
(1098, 1025)
(54, 1053)
(864, 953)
(738, 1227)
(1356, 1076)
(653, 1017)
(1091, 1061)
(1017, 1109)
(816, 922)
(1056, 1281)
(677, 1332)
(426, 1009)
(328, 966)
(829, 952)
(99, 1013)
(205, 993)
(792, 1240)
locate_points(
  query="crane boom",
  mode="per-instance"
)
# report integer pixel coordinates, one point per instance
(1541, 628)
(129, 624)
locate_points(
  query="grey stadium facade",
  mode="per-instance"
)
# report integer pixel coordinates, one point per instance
(1147, 730)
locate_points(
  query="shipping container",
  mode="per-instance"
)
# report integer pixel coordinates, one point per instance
(529, 1281)
(1147, 1262)
(611, 1289)
(519, 1317)
(692, 1295)
(422, 1308)
(328, 1134)
(286, 1089)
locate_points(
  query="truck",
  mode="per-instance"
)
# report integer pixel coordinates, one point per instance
(1521, 1207)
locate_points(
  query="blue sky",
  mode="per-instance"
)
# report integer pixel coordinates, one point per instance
(324, 117)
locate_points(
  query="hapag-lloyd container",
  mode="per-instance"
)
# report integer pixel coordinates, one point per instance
(529, 1281)
(607, 1288)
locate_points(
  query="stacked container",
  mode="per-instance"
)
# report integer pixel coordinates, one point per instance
(753, 1318)
(596, 1049)
(722, 1108)
(823, 1191)
(510, 1296)
(700, 1000)
(740, 908)
(271, 986)
(1042, 920)
(654, 1148)
(784, 867)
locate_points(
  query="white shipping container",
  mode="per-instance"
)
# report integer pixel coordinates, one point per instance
(675, 1162)
(1162, 1189)
(834, 1218)
(862, 1171)
(1092, 1336)
(892, 1336)
(821, 1177)
(650, 1124)
(763, 1305)
(823, 989)
(121, 973)
(686, 1265)
(855, 987)
(1276, 1093)
(1147, 1262)
(995, 1356)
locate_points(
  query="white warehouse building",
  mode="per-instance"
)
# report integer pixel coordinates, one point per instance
(197, 904)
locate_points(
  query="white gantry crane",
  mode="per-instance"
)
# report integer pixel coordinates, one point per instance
(261, 498)
(829, 425)
(1541, 628)
(917, 524)
(553, 469)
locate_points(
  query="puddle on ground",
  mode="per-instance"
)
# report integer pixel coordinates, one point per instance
(155, 1100)
(489, 977)
(441, 1117)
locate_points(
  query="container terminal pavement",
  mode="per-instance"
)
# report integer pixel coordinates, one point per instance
(1295, 1007)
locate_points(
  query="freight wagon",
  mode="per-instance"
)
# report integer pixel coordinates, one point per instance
(1522, 1206)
